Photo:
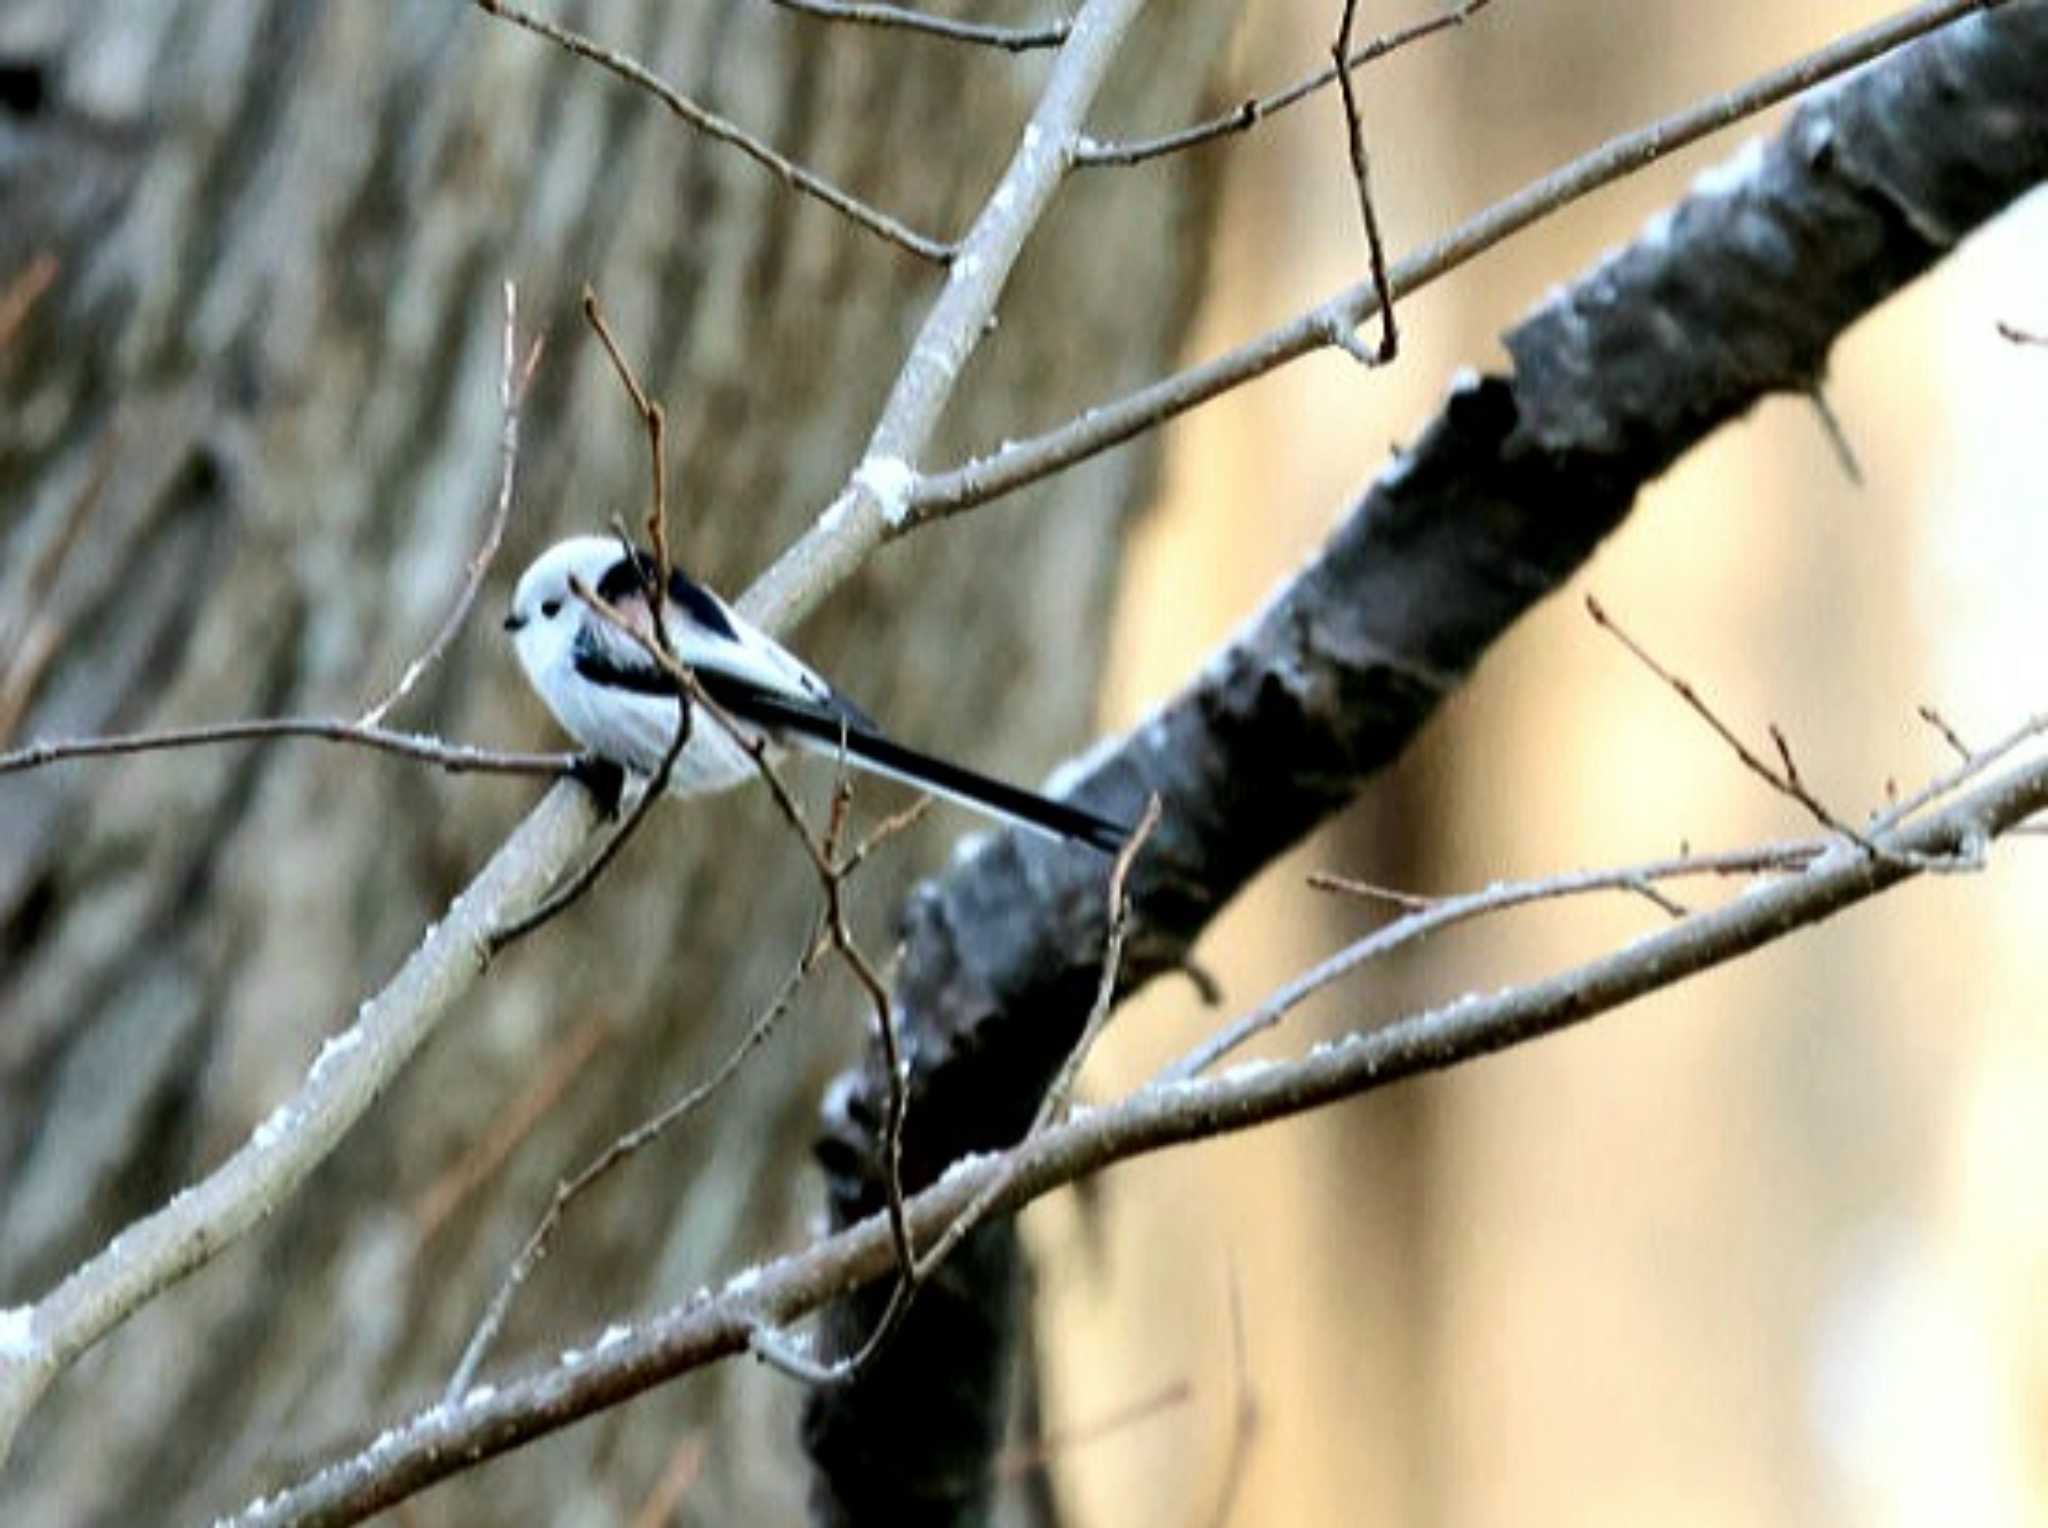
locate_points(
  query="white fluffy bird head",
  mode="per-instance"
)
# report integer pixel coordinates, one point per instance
(545, 612)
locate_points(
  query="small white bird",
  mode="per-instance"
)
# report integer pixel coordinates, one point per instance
(615, 700)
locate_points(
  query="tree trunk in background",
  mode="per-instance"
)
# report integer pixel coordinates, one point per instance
(279, 233)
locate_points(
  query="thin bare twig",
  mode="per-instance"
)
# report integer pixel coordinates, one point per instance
(1972, 765)
(2019, 336)
(514, 380)
(1445, 912)
(1324, 880)
(1052, 1107)
(935, 495)
(726, 131)
(456, 758)
(897, 1107)
(1787, 783)
(1787, 780)
(1427, 915)
(1794, 782)
(1008, 39)
(768, 1341)
(1060, 1091)
(1949, 735)
(1361, 177)
(655, 422)
(773, 1347)
(912, 1270)
(571, 891)
(654, 582)
(633, 1141)
(1838, 438)
(1249, 113)
(593, 314)
(1370, 891)
(883, 831)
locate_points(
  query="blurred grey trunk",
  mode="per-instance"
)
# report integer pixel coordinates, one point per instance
(258, 395)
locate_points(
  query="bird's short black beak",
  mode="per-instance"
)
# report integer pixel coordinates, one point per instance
(514, 621)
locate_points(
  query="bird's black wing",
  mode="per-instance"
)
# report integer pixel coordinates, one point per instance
(827, 732)
(617, 665)
(833, 723)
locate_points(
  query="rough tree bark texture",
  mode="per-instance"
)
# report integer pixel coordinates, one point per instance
(261, 391)
(1740, 294)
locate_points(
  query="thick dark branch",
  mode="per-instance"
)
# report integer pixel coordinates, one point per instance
(1738, 294)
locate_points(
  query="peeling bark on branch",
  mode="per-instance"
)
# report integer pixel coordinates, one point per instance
(1738, 295)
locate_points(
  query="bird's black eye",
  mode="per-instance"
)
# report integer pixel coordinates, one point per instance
(549, 609)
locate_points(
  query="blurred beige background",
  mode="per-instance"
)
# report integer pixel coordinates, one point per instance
(1767, 1249)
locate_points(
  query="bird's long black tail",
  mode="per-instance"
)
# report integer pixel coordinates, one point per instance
(1010, 802)
(871, 750)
